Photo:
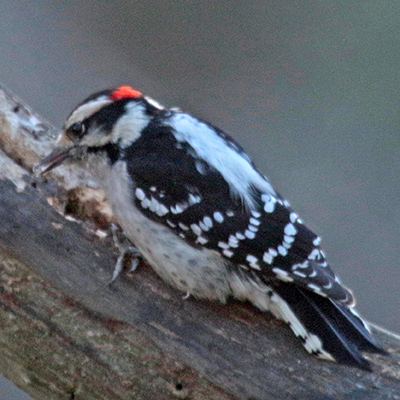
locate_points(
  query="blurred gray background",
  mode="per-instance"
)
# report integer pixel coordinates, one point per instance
(310, 89)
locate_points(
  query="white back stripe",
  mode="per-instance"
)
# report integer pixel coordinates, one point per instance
(234, 167)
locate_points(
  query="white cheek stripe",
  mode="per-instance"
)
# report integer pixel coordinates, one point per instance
(234, 167)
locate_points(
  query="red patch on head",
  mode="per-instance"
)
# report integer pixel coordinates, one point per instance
(124, 92)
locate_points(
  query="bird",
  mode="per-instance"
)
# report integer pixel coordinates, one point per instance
(207, 220)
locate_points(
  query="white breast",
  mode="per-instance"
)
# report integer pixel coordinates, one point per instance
(201, 272)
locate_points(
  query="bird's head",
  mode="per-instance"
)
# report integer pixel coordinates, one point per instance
(110, 117)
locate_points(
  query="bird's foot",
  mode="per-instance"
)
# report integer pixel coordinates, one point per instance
(125, 247)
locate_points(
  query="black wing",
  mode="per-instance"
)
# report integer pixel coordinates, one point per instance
(183, 192)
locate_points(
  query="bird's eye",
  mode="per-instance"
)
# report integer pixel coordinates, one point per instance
(76, 131)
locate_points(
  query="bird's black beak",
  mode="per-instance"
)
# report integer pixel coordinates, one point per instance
(53, 160)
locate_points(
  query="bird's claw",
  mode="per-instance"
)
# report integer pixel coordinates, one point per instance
(125, 247)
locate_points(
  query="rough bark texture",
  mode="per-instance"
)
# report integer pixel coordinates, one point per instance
(66, 334)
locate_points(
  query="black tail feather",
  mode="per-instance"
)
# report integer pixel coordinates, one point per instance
(354, 328)
(342, 333)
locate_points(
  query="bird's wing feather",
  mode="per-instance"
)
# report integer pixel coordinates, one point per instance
(185, 193)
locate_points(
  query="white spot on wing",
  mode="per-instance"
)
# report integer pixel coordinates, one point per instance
(208, 221)
(270, 202)
(218, 217)
(162, 210)
(290, 229)
(251, 259)
(254, 221)
(154, 205)
(282, 275)
(288, 239)
(314, 254)
(314, 287)
(183, 226)
(203, 226)
(178, 208)
(303, 265)
(328, 286)
(201, 167)
(202, 240)
(269, 255)
(233, 241)
(313, 274)
(282, 251)
(171, 224)
(196, 229)
(249, 234)
(301, 274)
(293, 217)
(273, 252)
(194, 199)
(145, 203)
(317, 241)
(228, 253)
(268, 258)
(140, 194)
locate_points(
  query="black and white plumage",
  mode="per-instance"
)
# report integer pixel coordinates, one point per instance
(208, 222)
